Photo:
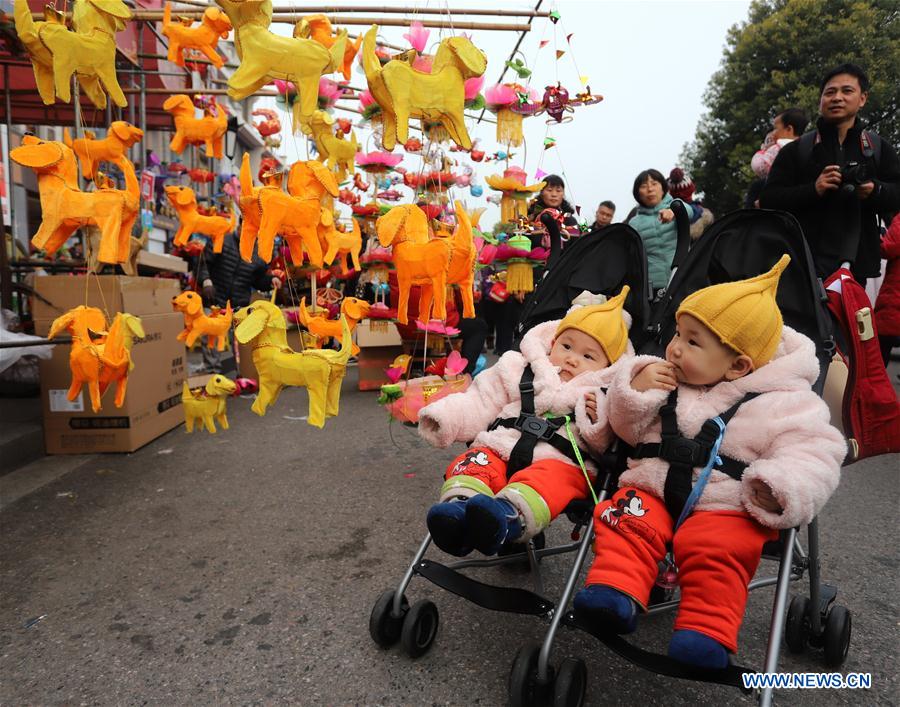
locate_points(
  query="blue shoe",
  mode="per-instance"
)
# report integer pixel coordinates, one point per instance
(607, 607)
(447, 524)
(492, 522)
(698, 650)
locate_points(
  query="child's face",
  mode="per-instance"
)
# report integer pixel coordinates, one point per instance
(700, 358)
(574, 352)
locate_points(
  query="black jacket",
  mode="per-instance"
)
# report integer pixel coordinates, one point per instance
(537, 205)
(232, 277)
(838, 226)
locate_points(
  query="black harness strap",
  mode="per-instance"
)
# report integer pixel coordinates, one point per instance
(684, 454)
(534, 429)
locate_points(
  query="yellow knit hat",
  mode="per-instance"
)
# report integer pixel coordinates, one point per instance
(602, 322)
(743, 314)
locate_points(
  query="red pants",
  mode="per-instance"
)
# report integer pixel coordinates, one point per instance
(557, 482)
(717, 553)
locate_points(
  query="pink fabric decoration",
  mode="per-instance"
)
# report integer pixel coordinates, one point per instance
(365, 99)
(284, 86)
(330, 91)
(417, 36)
(473, 87)
(435, 326)
(455, 364)
(505, 252)
(383, 159)
(500, 95)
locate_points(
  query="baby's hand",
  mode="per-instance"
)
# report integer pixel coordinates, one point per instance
(656, 376)
(666, 215)
(761, 495)
(590, 406)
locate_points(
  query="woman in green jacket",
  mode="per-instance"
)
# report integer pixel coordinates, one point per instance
(654, 220)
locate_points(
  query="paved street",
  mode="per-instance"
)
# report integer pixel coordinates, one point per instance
(241, 568)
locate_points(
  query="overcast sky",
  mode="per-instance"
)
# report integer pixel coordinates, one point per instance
(650, 60)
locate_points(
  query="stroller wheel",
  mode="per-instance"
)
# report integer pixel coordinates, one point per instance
(571, 683)
(384, 628)
(524, 689)
(420, 627)
(837, 636)
(796, 629)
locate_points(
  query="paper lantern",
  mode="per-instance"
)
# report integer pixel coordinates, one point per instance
(342, 245)
(318, 28)
(98, 357)
(262, 325)
(65, 208)
(520, 274)
(197, 325)
(207, 404)
(184, 201)
(204, 38)
(338, 153)
(353, 311)
(439, 96)
(416, 259)
(89, 51)
(113, 148)
(461, 271)
(514, 193)
(511, 102)
(266, 56)
(208, 130)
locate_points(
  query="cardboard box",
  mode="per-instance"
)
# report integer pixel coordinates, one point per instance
(377, 332)
(110, 293)
(371, 363)
(162, 261)
(152, 404)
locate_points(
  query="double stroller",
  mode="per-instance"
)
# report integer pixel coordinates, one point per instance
(742, 244)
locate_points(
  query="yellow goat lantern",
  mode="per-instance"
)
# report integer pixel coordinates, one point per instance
(207, 404)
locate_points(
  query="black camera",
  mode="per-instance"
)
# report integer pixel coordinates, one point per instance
(852, 175)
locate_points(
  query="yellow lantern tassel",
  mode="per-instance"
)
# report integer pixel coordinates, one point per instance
(436, 132)
(509, 127)
(519, 277)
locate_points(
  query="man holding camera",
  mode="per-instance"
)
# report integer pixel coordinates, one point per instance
(837, 179)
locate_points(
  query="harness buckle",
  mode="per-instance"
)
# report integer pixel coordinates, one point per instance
(537, 426)
(683, 451)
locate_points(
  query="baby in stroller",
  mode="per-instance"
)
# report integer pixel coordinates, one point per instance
(525, 464)
(733, 393)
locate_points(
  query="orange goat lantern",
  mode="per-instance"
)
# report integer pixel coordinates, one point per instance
(191, 220)
(99, 357)
(196, 324)
(208, 130)
(203, 38)
(65, 208)
(353, 311)
(417, 259)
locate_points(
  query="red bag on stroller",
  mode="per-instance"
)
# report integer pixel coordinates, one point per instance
(870, 410)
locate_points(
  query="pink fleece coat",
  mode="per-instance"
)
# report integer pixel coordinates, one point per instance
(783, 435)
(462, 417)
